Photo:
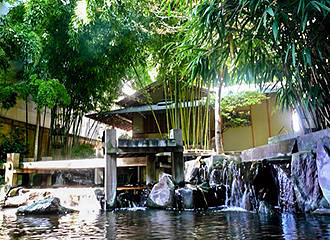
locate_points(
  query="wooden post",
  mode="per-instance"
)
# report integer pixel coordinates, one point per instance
(49, 180)
(151, 169)
(177, 156)
(98, 176)
(138, 175)
(252, 129)
(110, 184)
(11, 166)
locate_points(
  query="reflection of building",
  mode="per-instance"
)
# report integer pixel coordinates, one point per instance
(136, 115)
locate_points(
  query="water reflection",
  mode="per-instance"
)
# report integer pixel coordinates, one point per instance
(156, 224)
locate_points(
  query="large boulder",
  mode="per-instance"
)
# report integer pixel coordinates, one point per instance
(216, 178)
(162, 194)
(304, 175)
(286, 195)
(49, 205)
(17, 197)
(185, 197)
(323, 165)
(191, 169)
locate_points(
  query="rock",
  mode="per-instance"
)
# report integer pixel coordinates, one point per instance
(308, 142)
(215, 161)
(17, 201)
(322, 211)
(191, 169)
(23, 197)
(324, 203)
(200, 201)
(304, 175)
(323, 165)
(49, 205)
(162, 194)
(286, 198)
(215, 178)
(185, 198)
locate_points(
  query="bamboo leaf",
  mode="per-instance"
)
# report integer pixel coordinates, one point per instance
(265, 20)
(275, 30)
(270, 12)
(304, 22)
(314, 3)
(300, 2)
(323, 6)
(293, 55)
(308, 56)
(287, 53)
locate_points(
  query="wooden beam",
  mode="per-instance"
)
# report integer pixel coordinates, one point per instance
(122, 152)
(82, 163)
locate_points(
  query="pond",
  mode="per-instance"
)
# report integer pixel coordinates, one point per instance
(158, 224)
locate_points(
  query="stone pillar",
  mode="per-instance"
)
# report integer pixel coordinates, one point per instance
(110, 184)
(151, 169)
(177, 156)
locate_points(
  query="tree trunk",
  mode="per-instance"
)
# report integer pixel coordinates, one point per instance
(218, 122)
(26, 126)
(36, 137)
(51, 130)
(41, 136)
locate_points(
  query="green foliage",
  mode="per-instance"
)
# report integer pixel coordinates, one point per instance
(48, 93)
(11, 143)
(66, 48)
(2, 180)
(284, 42)
(83, 151)
(233, 108)
(7, 97)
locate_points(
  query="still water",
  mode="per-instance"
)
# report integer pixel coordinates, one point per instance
(156, 224)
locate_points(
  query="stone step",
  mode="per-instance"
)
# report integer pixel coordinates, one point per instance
(281, 150)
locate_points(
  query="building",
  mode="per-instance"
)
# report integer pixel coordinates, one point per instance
(138, 113)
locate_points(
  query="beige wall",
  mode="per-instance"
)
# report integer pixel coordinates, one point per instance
(18, 113)
(267, 121)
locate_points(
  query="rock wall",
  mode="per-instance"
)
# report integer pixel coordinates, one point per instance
(224, 181)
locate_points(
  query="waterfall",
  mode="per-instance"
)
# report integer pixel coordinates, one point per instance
(59, 180)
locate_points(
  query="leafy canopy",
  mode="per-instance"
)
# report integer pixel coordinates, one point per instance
(281, 42)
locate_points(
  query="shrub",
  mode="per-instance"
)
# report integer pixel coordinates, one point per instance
(13, 142)
(83, 151)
